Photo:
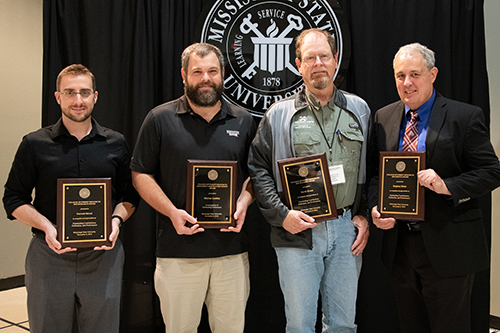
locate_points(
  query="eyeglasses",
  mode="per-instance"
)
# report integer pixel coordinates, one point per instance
(85, 93)
(324, 58)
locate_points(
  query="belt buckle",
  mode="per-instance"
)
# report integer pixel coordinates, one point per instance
(413, 226)
(343, 209)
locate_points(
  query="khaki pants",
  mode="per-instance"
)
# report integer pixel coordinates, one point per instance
(183, 285)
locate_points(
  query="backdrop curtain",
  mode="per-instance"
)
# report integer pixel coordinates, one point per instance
(133, 48)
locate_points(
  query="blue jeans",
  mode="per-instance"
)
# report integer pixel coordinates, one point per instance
(329, 267)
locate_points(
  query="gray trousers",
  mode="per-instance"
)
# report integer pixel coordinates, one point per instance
(85, 285)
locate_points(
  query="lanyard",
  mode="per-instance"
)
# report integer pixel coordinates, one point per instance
(336, 130)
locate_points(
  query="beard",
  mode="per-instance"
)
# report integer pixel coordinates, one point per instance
(77, 118)
(206, 98)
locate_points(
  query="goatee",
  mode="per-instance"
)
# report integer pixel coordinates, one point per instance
(321, 83)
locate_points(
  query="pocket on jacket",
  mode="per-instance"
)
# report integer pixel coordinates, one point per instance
(353, 134)
(306, 143)
(351, 145)
(447, 143)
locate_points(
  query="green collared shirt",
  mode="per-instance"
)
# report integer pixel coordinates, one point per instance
(336, 132)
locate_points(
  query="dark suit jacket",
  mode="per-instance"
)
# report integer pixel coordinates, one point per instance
(459, 150)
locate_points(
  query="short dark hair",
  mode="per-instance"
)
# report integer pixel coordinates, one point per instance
(200, 49)
(303, 34)
(76, 70)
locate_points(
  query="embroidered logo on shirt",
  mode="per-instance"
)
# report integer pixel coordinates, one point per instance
(353, 125)
(303, 122)
(233, 133)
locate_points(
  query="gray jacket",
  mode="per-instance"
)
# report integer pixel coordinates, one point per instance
(273, 142)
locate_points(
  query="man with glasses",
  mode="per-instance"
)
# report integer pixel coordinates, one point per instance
(65, 284)
(316, 256)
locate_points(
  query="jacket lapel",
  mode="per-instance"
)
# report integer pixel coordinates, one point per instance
(393, 127)
(436, 120)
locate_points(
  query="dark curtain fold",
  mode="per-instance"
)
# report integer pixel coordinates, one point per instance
(133, 48)
(454, 29)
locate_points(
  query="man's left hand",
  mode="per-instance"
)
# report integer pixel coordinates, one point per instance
(363, 232)
(115, 231)
(239, 217)
(244, 200)
(430, 179)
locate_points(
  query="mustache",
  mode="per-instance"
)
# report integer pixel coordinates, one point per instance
(206, 84)
(321, 69)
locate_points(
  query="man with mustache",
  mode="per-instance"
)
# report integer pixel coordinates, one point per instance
(196, 265)
(312, 256)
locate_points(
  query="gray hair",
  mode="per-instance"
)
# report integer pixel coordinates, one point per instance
(200, 49)
(427, 54)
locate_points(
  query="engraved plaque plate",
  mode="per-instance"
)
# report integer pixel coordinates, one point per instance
(211, 192)
(307, 186)
(83, 212)
(400, 194)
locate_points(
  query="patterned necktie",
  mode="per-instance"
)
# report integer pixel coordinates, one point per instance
(411, 133)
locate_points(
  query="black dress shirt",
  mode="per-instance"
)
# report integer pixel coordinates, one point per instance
(51, 153)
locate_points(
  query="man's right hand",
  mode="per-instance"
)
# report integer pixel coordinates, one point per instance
(382, 223)
(151, 192)
(179, 218)
(296, 221)
(51, 239)
(28, 215)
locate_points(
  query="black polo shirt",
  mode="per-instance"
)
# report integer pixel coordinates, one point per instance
(170, 135)
(51, 153)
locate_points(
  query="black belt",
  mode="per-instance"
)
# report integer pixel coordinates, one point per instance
(39, 235)
(341, 211)
(414, 226)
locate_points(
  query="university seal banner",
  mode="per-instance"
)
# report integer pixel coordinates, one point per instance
(257, 38)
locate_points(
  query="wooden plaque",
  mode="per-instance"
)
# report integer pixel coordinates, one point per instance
(84, 212)
(211, 192)
(400, 194)
(307, 186)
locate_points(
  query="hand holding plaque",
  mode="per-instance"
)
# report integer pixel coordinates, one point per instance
(84, 212)
(307, 186)
(400, 194)
(211, 192)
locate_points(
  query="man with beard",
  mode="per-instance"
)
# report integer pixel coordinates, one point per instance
(67, 284)
(316, 256)
(196, 265)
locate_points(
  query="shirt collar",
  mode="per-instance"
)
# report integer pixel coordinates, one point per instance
(314, 103)
(185, 108)
(59, 129)
(425, 109)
